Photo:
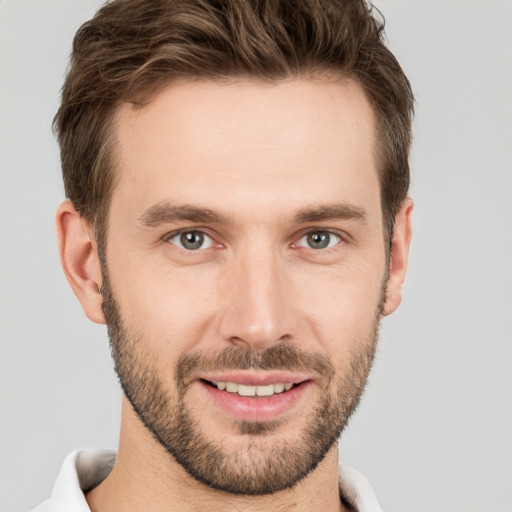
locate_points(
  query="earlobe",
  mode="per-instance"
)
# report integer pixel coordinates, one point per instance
(398, 258)
(79, 259)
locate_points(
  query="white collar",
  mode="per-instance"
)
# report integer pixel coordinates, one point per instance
(83, 470)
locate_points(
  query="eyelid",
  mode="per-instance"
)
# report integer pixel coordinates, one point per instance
(334, 238)
(342, 235)
(173, 234)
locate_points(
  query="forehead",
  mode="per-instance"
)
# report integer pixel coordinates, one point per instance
(248, 144)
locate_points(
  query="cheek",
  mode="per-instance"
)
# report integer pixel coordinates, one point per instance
(342, 307)
(168, 306)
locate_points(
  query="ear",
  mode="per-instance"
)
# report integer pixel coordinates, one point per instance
(79, 259)
(402, 235)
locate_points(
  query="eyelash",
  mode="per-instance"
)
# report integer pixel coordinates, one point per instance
(331, 234)
(340, 238)
(168, 238)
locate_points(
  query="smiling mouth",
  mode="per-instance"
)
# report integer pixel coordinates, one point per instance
(251, 391)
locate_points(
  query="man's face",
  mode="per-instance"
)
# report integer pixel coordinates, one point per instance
(245, 256)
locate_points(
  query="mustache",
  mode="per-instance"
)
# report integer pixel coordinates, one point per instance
(276, 357)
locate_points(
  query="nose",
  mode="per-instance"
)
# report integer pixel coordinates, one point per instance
(257, 303)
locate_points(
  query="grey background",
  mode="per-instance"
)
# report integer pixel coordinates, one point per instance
(434, 432)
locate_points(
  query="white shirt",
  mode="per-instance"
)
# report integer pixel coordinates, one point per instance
(84, 470)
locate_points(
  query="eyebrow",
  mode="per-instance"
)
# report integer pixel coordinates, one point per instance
(164, 213)
(337, 211)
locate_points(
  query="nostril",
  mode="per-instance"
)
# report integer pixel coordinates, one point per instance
(239, 343)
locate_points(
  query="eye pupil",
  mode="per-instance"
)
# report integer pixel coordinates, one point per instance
(319, 240)
(192, 240)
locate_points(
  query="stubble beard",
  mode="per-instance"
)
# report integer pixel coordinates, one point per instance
(262, 467)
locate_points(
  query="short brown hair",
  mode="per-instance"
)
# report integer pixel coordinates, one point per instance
(132, 48)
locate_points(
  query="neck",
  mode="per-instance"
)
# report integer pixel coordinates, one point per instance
(145, 476)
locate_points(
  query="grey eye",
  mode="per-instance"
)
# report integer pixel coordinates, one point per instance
(191, 240)
(319, 240)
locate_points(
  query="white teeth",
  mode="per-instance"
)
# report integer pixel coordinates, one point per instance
(246, 390)
(243, 390)
(278, 388)
(231, 387)
(265, 390)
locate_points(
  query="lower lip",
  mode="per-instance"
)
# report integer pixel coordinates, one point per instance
(266, 408)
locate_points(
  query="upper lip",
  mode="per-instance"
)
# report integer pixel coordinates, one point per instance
(255, 378)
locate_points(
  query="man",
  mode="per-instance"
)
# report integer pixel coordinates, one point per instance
(237, 214)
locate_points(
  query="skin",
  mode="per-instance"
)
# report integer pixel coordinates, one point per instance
(256, 154)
